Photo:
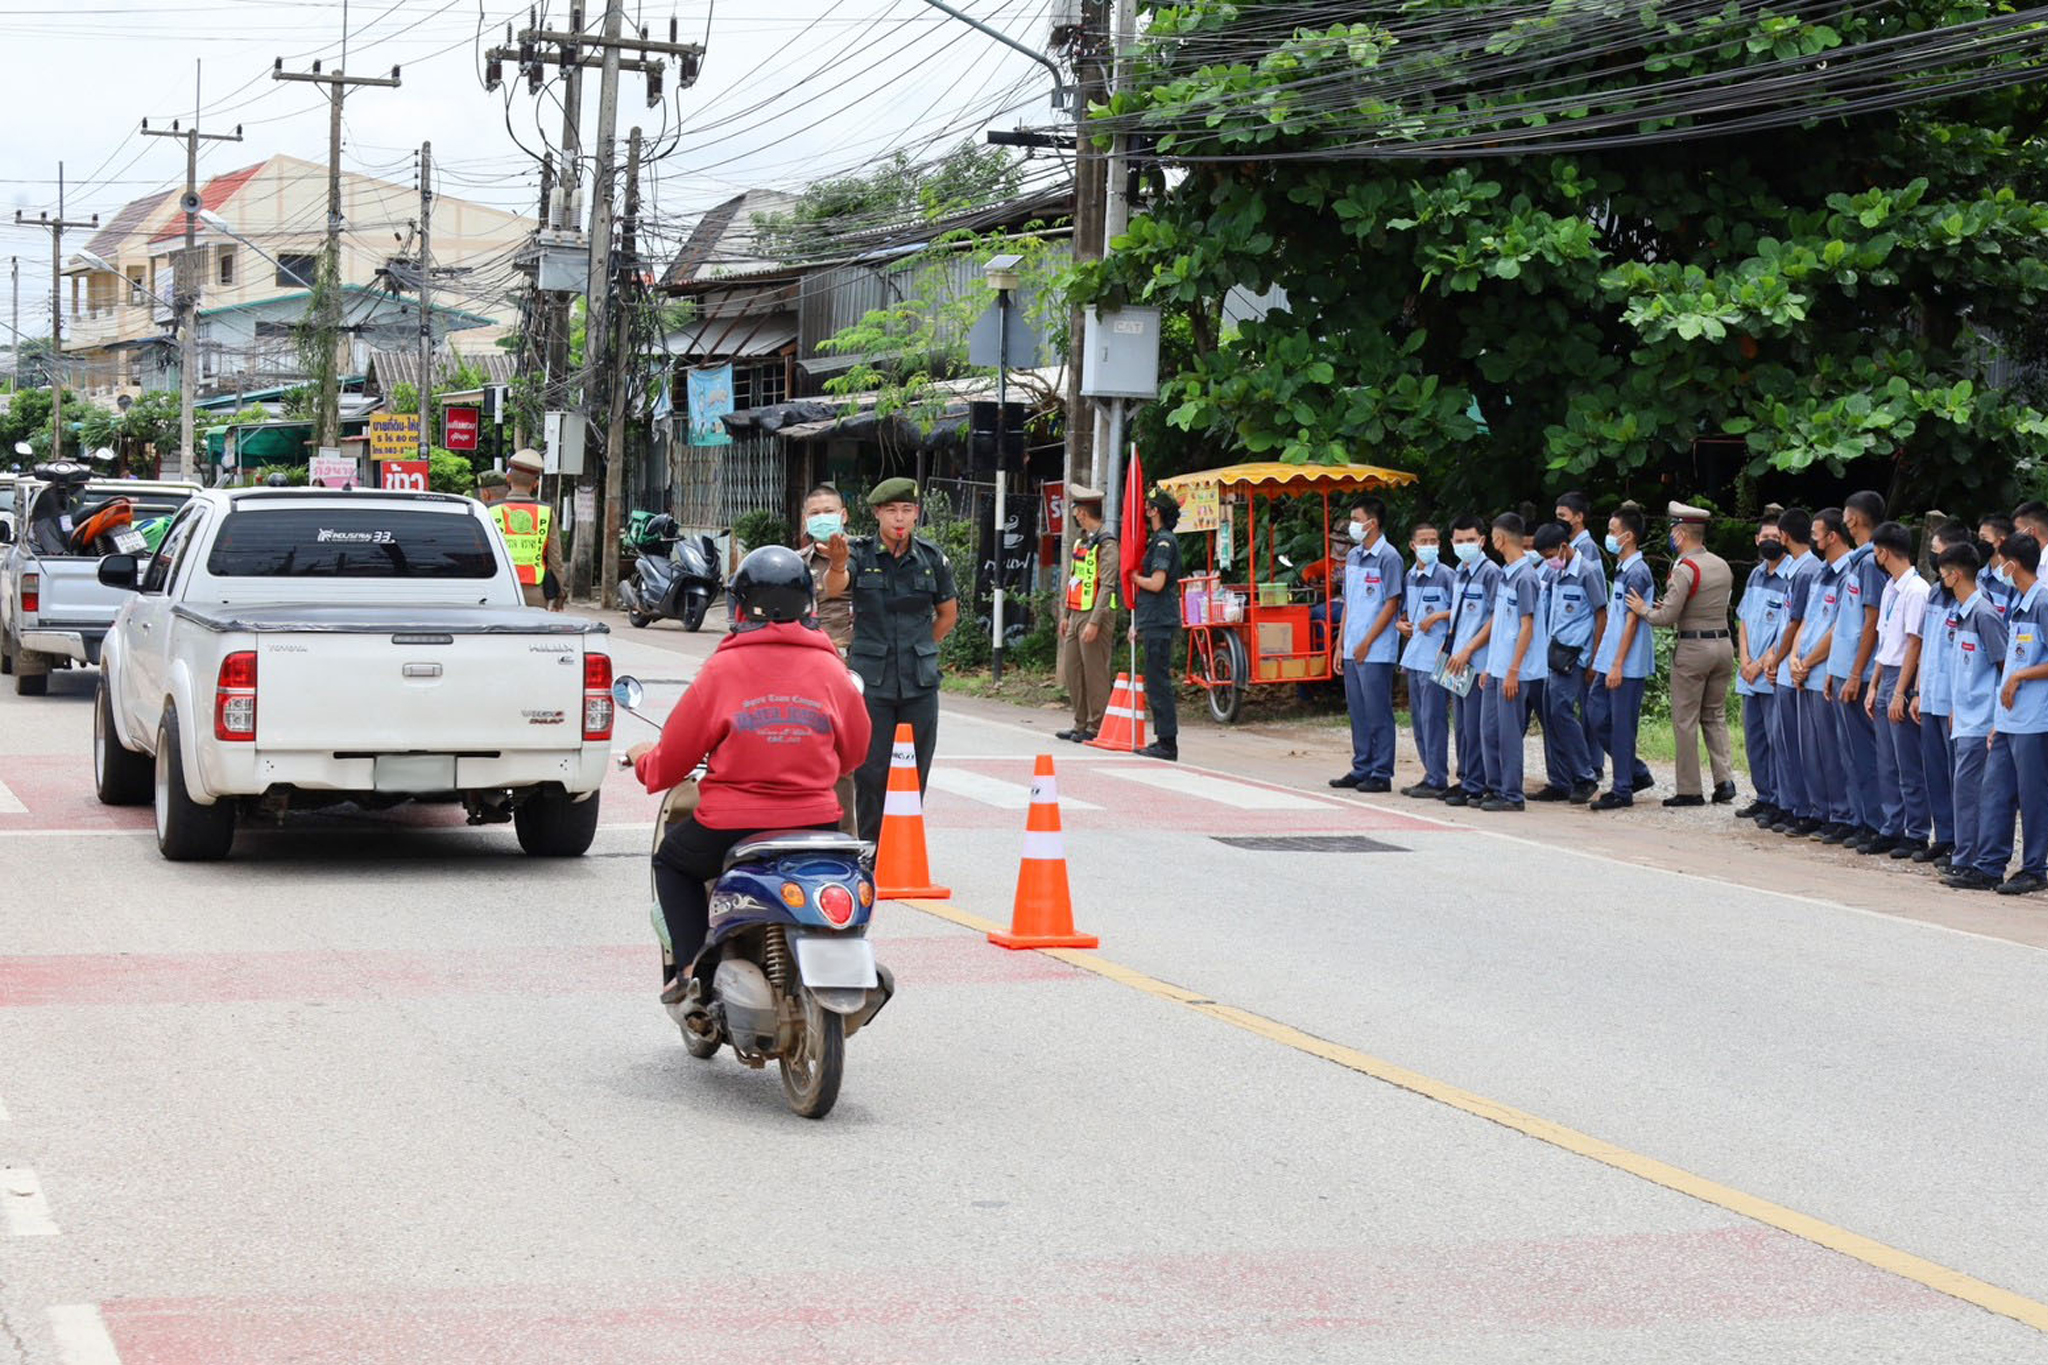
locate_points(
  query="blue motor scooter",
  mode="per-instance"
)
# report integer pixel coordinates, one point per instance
(786, 971)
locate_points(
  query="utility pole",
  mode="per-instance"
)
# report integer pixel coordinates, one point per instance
(56, 226)
(621, 360)
(14, 272)
(1083, 457)
(596, 294)
(426, 299)
(327, 426)
(187, 281)
(1116, 220)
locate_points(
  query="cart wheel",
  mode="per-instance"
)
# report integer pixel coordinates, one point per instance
(1227, 673)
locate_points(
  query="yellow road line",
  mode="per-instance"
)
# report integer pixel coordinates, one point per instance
(1940, 1278)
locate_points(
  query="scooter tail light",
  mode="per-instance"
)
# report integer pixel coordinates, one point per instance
(867, 893)
(836, 903)
(598, 709)
(234, 698)
(793, 896)
(31, 591)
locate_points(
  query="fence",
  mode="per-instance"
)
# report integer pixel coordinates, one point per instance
(711, 487)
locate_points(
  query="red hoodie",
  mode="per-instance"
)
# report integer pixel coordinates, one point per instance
(778, 716)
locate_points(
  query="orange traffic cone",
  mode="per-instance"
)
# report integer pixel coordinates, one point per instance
(1043, 916)
(1123, 722)
(902, 871)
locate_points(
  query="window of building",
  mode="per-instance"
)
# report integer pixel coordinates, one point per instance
(757, 386)
(295, 269)
(136, 293)
(227, 265)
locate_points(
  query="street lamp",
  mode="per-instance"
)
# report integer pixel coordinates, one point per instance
(1003, 277)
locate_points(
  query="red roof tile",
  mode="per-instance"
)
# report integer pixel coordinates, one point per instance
(218, 191)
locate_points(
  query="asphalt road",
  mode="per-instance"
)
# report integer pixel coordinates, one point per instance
(382, 1090)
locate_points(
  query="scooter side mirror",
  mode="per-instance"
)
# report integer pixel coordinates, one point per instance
(24, 448)
(628, 692)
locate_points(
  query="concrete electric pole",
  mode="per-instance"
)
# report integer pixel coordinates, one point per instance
(615, 428)
(187, 281)
(56, 368)
(327, 424)
(426, 300)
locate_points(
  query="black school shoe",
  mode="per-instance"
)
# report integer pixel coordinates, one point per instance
(1456, 797)
(1613, 801)
(2023, 884)
(1424, 791)
(1910, 849)
(1837, 834)
(1552, 794)
(1684, 800)
(1724, 793)
(1346, 781)
(1805, 829)
(1585, 792)
(1169, 752)
(1933, 853)
(1375, 784)
(1969, 879)
(1499, 803)
(1755, 809)
(1870, 848)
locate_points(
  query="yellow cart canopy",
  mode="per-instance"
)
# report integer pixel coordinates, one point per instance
(1273, 476)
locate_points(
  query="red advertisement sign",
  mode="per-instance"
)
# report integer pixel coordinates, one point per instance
(460, 427)
(405, 476)
(1055, 494)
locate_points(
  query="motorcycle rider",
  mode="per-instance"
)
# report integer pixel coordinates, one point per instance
(776, 719)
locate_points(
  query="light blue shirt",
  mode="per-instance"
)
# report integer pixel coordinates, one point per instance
(1589, 550)
(1978, 648)
(1937, 637)
(1576, 594)
(1802, 576)
(2026, 629)
(1862, 592)
(1520, 595)
(1428, 591)
(1475, 587)
(1632, 575)
(1762, 613)
(1372, 578)
(1823, 610)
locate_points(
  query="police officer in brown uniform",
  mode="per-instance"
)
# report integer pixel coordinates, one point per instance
(1088, 630)
(1695, 602)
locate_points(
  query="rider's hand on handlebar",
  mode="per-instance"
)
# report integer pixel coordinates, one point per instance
(638, 752)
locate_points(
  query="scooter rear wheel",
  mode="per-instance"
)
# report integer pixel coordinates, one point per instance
(810, 1079)
(638, 619)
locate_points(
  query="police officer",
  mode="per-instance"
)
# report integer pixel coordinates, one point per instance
(1155, 616)
(1088, 629)
(823, 544)
(1703, 663)
(904, 604)
(527, 524)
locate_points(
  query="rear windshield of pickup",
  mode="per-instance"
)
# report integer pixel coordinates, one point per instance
(351, 542)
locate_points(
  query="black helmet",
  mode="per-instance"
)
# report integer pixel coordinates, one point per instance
(773, 586)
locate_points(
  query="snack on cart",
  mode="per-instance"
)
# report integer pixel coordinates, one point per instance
(1244, 634)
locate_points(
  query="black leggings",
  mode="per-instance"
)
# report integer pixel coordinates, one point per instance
(690, 856)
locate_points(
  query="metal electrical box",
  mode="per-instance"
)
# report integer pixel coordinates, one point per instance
(562, 262)
(564, 454)
(1120, 353)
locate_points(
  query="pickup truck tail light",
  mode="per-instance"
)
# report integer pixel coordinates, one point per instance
(31, 591)
(234, 698)
(597, 696)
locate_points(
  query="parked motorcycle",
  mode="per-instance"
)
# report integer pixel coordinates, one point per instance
(675, 577)
(786, 972)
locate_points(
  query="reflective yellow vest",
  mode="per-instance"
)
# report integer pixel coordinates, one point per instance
(1081, 583)
(525, 528)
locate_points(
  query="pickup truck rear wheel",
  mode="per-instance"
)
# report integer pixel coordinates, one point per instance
(186, 832)
(551, 825)
(6, 654)
(31, 684)
(121, 777)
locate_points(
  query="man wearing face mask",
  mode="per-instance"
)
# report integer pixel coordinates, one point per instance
(1473, 589)
(1849, 664)
(1827, 771)
(1695, 603)
(2016, 769)
(1623, 663)
(1759, 623)
(1934, 704)
(1088, 629)
(1973, 639)
(824, 548)
(1900, 794)
(1575, 609)
(1425, 621)
(1372, 599)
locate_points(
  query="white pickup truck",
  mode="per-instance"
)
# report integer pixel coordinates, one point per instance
(53, 609)
(294, 648)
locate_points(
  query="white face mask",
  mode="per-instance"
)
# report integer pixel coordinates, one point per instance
(1357, 533)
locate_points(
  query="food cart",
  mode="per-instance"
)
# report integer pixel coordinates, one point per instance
(1253, 631)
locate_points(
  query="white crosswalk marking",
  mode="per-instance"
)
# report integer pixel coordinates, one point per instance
(1221, 790)
(10, 804)
(994, 791)
(82, 1337)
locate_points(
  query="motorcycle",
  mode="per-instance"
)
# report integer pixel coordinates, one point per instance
(675, 577)
(786, 972)
(63, 522)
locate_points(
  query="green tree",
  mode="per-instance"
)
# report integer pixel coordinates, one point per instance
(1825, 296)
(897, 191)
(152, 420)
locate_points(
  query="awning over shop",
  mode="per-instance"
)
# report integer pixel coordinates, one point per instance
(739, 338)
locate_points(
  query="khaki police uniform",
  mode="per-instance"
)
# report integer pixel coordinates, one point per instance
(1695, 604)
(527, 525)
(835, 614)
(1092, 577)
(895, 598)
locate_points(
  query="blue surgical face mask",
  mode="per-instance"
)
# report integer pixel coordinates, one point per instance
(2005, 575)
(1467, 551)
(1613, 544)
(1426, 556)
(825, 525)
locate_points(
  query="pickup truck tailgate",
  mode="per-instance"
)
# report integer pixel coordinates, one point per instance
(418, 691)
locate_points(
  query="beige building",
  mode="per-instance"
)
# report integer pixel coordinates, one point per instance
(251, 300)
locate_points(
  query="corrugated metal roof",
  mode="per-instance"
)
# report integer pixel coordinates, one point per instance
(218, 191)
(389, 368)
(743, 336)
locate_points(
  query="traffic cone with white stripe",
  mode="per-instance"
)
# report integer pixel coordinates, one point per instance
(1043, 916)
(1123, 722)
(902, 872)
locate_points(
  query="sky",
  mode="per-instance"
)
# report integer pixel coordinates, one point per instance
(791, 91)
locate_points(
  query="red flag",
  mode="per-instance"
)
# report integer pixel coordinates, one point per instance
(1135, 530)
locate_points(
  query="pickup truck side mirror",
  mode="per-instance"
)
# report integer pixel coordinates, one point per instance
(120, 571)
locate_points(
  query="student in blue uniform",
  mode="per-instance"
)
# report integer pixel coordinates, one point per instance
(1515, 665)
(1931, 706)
(1471, 633)
(1759, 622)
(2016, 770)
(1820, 741)
(1572, 510)
(1849, 665)
(1372, 600)
(1974, 638)
(1901, 790)
(1624, 660)
(1991, 532)
(1426, 622)
(1799, 793)
(1574, 610)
